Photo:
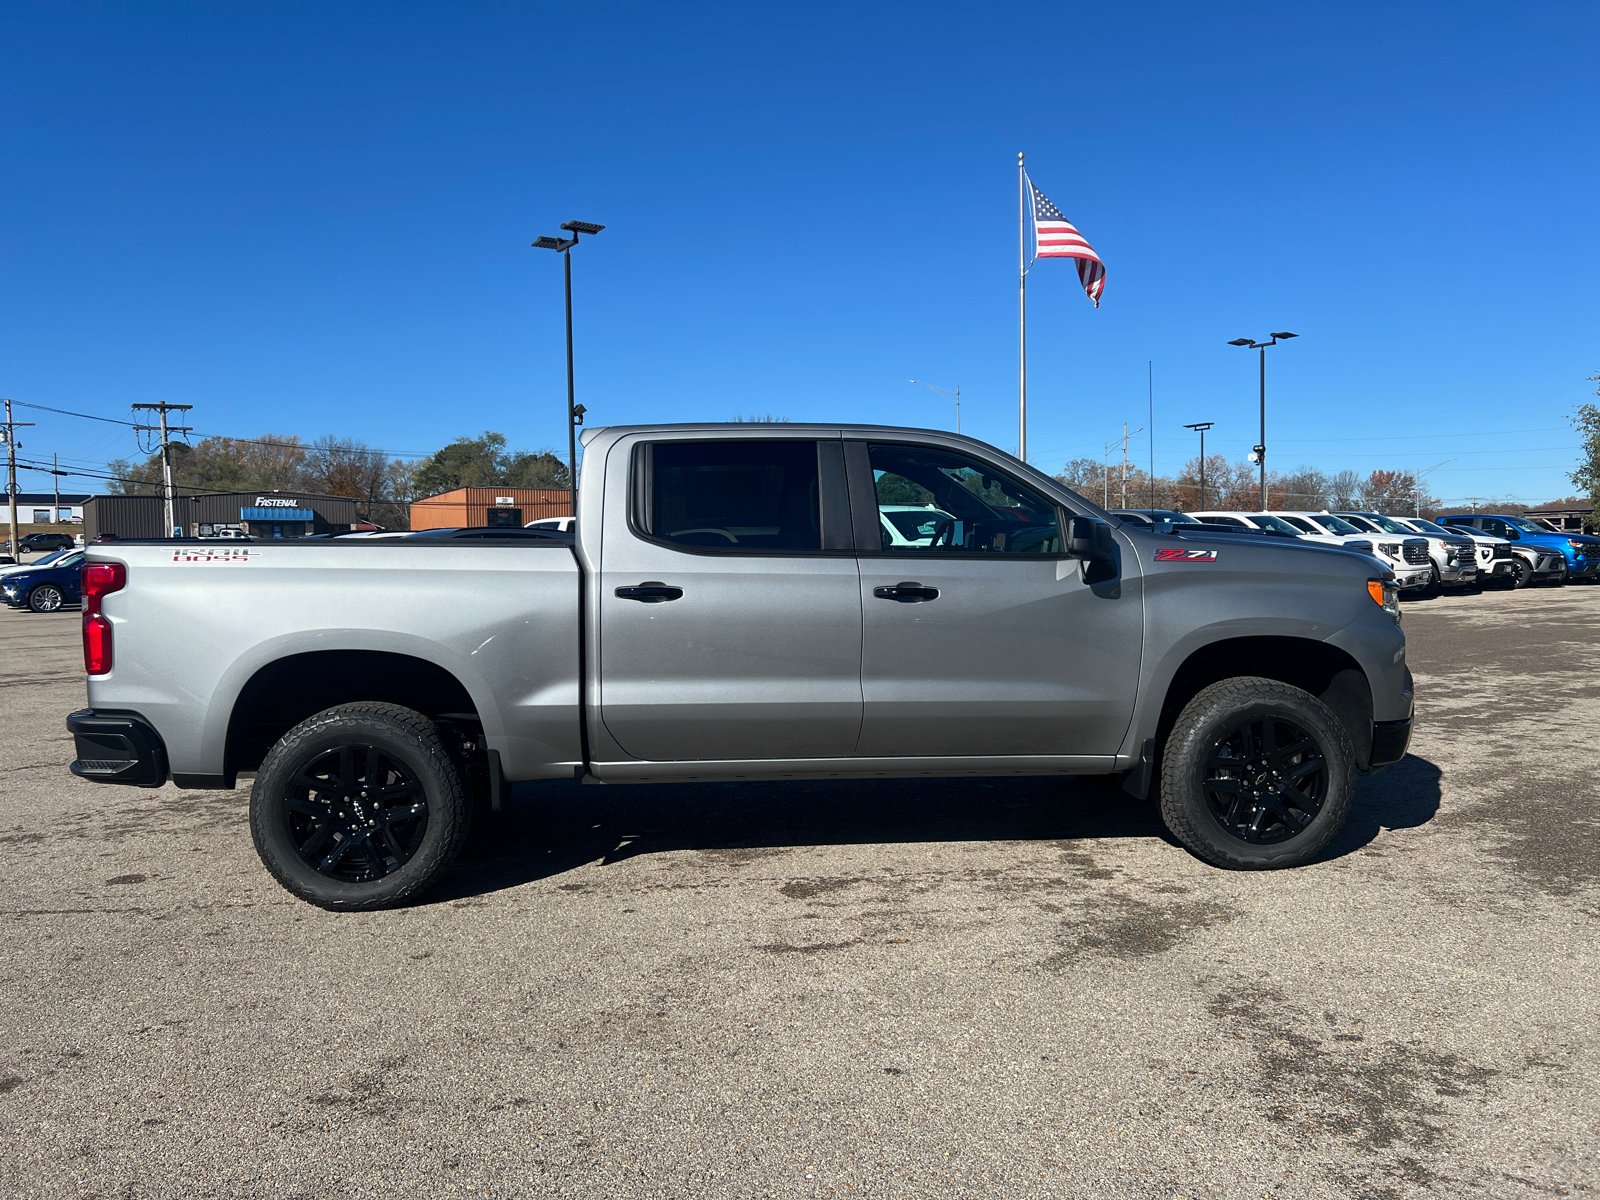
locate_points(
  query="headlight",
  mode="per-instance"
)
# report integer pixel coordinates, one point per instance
(1392, 549)
(1385, 594)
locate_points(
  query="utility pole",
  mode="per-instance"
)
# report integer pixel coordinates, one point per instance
(55, 486)
(1201, 427)
(947, 394)
(1125, 436)
(166, 453)
(11, 477)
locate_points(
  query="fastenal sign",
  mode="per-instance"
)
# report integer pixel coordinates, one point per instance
(276, 502)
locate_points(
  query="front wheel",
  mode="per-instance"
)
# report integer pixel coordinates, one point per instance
(359, 807)
(46, 597)
(1521, 573)
(1256, 775)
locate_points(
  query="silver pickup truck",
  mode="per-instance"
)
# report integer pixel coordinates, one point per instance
(733, 608)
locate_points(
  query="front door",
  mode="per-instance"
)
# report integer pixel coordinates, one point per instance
(980, 636)
(730, 604)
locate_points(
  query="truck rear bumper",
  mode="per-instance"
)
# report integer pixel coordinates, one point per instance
(117, 747)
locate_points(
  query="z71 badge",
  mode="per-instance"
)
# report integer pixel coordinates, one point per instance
(1186, 556)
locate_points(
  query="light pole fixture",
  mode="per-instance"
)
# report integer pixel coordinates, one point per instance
(1258, 453)
(575, 410)
(948, 395)
(1200, 427)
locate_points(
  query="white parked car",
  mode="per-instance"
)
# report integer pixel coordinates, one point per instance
(1494, 555)
(1453, 559)
(910, 524)
(1407, 557)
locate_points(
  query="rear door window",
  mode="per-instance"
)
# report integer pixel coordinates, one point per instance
(734, 495)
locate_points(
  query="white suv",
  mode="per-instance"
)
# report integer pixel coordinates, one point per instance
(1406, 557)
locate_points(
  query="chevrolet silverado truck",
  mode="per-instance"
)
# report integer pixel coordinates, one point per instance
(733, 608)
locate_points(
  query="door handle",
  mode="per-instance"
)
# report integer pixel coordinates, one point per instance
(907, 593)
(650, 592)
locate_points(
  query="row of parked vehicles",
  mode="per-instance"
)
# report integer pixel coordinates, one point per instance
(1461, 550)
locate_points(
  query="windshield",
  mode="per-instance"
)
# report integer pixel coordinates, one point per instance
(1522, 523)
(1333, 524)
(1274, 524)
(49, 558)
(1430, 527)
(1388, 525)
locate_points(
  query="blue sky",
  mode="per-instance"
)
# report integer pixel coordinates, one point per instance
(314, 218)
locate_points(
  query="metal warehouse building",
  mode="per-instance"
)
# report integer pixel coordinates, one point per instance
(257, 514)
(499, 506)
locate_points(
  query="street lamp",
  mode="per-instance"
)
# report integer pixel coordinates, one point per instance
(947, 394)
(1200, 427)
(1258, 453)
(575, 410)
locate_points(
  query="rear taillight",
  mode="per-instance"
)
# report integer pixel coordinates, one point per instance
(99, 580)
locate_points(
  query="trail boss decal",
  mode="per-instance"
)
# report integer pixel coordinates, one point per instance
(221, 555)
(1186, 556)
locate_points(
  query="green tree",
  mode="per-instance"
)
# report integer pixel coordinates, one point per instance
(485, 462)
(1586, 476)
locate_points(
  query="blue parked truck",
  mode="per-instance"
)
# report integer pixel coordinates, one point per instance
(45, 588)
(1580, 553)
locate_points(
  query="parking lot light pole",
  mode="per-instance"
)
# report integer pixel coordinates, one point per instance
(575, 410)
(1259, 452)
(1200, 427)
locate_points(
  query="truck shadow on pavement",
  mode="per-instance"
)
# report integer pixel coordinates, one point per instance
(547, 829)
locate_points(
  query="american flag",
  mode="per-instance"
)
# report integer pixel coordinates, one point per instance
(1055, 237)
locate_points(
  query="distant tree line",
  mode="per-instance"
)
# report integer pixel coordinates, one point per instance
(383, 486)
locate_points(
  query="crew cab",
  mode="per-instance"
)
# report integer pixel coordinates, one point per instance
(1453, 558)
(1493, 555)
(1577, 555)
(731, 609)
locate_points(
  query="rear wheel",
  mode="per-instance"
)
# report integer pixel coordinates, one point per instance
(46, 597)
(359, 807)
(1256, 775)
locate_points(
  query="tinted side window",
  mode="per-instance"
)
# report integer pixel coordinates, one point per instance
(935, 500)
(735, 495)
(1232, 522)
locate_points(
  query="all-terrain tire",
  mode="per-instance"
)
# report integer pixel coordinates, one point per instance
(378, 765)
(1208, 733)
(45, 598)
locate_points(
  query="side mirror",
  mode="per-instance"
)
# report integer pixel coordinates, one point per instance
(1090, 540)
(1513, 533)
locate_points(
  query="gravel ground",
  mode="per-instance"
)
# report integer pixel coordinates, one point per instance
(921, 988)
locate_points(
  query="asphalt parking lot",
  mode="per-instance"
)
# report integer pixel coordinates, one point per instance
(992, 988)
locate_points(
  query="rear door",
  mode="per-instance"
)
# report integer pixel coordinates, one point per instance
(730, 603)
(982, 637)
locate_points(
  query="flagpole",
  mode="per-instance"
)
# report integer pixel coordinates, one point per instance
(1022, 312)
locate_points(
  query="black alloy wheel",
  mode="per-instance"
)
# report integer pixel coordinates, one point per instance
(1265, 780)
(46, 598)
(1521, 573)
(359, 807)
(356, 814)
(1256, 774)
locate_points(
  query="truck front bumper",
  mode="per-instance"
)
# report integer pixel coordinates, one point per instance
(1389, 742)
(117, 747)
